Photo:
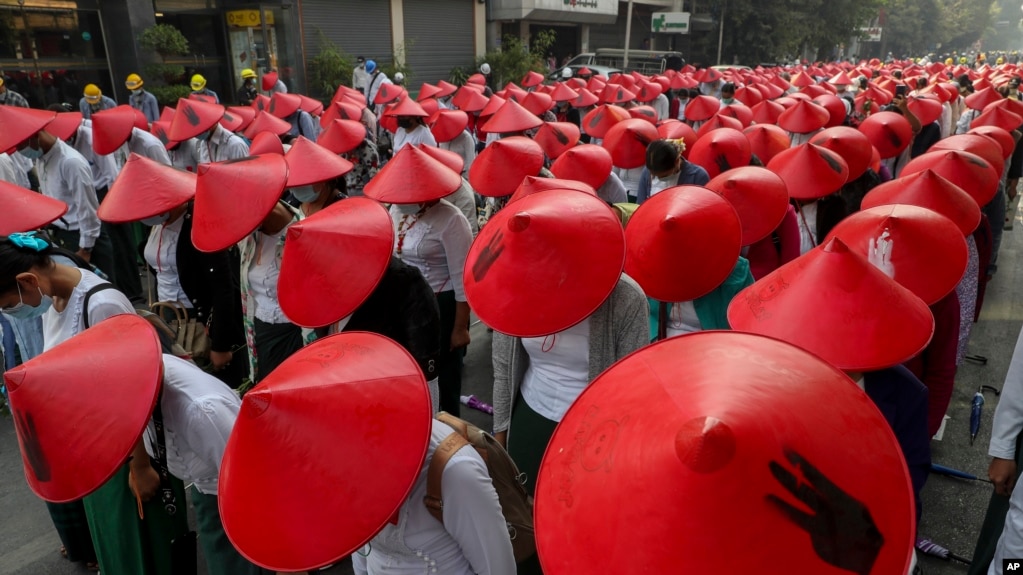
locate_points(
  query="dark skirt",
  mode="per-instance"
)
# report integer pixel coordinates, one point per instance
(994, 523)
(450, 361)
(528, 437)
(73, 529)
(221, 556)
(275, 342)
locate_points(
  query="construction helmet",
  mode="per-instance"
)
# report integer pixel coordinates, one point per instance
(134, 82)
(566, 73)
(999, 61)
(93, 95)
(962, 60)
(370, 66)
(949, 61)
(198, 82)
(246, 74)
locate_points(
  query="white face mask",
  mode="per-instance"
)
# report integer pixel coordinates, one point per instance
(408, 209)
(136, 92)
(31, 153)
(305, 194)
(156, 220)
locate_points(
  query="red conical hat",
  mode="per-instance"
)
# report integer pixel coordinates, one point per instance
(310, 106)
(348, 111)
(627, 141)
(835, 107)
(193, 118)
(767, 112)
(537, 103)
(926, 109)
(111, 128)
(721, 150)
(599, 120)
(676, 130)
(749, 95)
(453, 160)
(531, 79)
(586, 98)
(759, 197)
(563, 93)
(261, 103)
(266, 143)
(802, 80)
(572, 245)
(427, 91)
(586, 163)
(145, 188)
(511, 118)
(534, 185)
(449, 124)
(342, 136)
(1008, 104)
(849, 143)
(388, 93)
(810, 172)
(267, 122)
(411, 177)
(718, 121)
(738, 111)
(309, 163)
(65, 125)
(333, 260)
(702, 108)
(205, 98)
(113, 399)
(968, 171)
(834, 303)
(502, 166)
(493, 105)
(644, 113)
(999, 118)
(160, 130)
(927, 251)
(804, 117)
(237, 118)
(405, 107)
(982, 97)
(841, 79)
(983, 146)
(557, 137)
(928, 190)
(167, 115)
(377, 454)
(711, 425)
(686, 220)
(469, 100)
(25, 210)
(268, 81)
(1004, 138)
(390, 123)
(766, 141)
(232, 198)
(445, 89)
(889, 132)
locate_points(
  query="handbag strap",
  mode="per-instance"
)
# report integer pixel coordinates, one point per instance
(166, 490)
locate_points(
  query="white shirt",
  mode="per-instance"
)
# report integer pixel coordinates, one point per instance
(263, 276)
(58, 327)
(8, 170)
(148, 146)
(559, 370)
(896, 163)
(373, 86)
(436, 243)
(659, 185)
(104, 168)
(806, 218)
(199, 412)
(630, 178)
(65, 175)
(187, 155)
(473, 540)
(682, 109)
(797, 139)
(223, 145)
(360, 78)
(162, 255)
(464, 145)
(419, 135)
(613, 190)
(945, 120)
(969, 115)
(661, 105)
(24, 165)
(464, 198)
(683, 319)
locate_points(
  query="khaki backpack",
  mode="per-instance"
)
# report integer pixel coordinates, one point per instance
(516, 504)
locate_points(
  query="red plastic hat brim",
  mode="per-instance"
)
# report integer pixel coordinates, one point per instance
(511, 118)
(766, 141)
(25, 210)
(850, 144)
(721, 150)
(453, 160)
(20, 124)
(448, 125)
(111, 128)
(810, 172)
(968, 171)
(268, 81)
(310, 163)
(333, 260)
(889, 132)
(556, 138)
(232, 198)
(342, 136)
(627, 141)
(573, 247)
(113, 397)
(586, 163)
(928, 190)
(65, 125)
(685, 434)
(267, 122)
(759, 197)
(377, 389)
(266, 143)
(411, 177)
(534, 185)
(193, 118)
(145, 188)
(599, 120)
(804, 117)
(502, 166)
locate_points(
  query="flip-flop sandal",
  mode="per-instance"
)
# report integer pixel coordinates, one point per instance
(63, 552)
(92, 566)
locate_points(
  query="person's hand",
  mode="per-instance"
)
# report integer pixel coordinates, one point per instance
(901, 103)
(502, 438)
(841, 529)
(1002, 472)
(459, 337)
(85, 255)
(220, 359)
(143, 480)
(879, 253)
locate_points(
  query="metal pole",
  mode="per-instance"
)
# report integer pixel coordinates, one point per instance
(628, 37)
(721, 29)
(662, 321)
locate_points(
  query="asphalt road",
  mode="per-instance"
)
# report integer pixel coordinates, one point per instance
(953, 509)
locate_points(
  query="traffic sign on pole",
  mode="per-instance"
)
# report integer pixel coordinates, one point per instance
(670, 22)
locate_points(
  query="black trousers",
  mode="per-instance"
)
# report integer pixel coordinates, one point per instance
(126, 275)
(449, 363)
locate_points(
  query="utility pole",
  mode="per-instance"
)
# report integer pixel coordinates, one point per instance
(721, 29)
(628, 37)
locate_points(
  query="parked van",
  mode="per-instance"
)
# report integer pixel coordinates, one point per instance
(643, 61)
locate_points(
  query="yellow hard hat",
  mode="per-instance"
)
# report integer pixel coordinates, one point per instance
(962, 60)
(93, 94)
(949, 61)
(248, 73)
(198, 82)
(134, 82)
(1000, 61)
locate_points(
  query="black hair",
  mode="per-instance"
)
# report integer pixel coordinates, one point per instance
(728, 87)
(340, 184)
(661, 156)
(16, 260)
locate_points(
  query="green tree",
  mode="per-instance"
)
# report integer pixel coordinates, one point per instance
(168, 42)
(328, 69)
(515, 58)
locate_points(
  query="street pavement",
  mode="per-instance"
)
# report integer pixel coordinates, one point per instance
(953, 509)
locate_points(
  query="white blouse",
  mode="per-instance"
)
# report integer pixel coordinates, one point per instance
(683, 319)
(807, 220)
(58, 327)
(199, 412)
(162, 255)
(436, 243)
(419, 135)
(263, 275)
(464, 145)
(473, 538)
(559, 370)
(630, 178)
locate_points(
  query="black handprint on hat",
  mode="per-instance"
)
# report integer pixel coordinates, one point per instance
(841, 529)
(30, 444)
(488, 255)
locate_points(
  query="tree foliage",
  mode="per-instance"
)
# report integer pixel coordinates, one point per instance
(329, 68)
(514, 58)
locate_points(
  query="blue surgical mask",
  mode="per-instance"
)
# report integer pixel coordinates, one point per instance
(727, 101)
(31, 153)
(305, 194)
(203, 136)
(24, 311)
(156, 220)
